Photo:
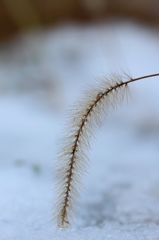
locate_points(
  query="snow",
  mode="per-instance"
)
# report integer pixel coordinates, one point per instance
(41, 74)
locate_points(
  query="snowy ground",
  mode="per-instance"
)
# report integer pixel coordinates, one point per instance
(40, 76)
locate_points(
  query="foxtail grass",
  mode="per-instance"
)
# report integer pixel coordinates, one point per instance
(86, 117)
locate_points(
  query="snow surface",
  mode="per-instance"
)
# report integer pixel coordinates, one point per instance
(40, 75)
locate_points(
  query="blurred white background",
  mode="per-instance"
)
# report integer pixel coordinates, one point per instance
(41, 74)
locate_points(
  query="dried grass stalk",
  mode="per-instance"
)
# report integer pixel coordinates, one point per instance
(98, 101)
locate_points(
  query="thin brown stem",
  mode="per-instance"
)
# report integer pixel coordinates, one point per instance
(140, 78)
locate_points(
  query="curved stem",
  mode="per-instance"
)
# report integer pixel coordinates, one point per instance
(140, 78)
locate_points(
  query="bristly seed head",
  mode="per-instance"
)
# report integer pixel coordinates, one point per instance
(98, 102)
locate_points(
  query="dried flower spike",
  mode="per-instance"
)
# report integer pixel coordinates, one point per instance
(87, 115)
